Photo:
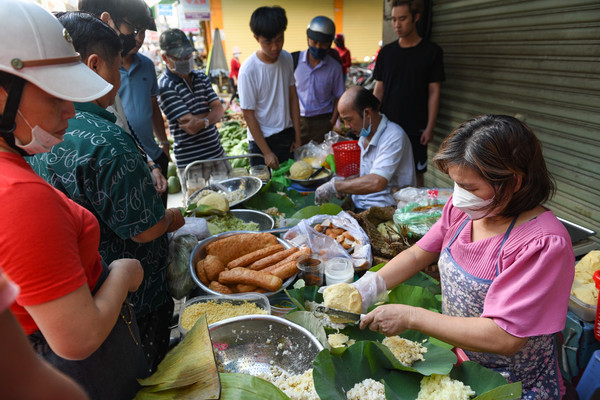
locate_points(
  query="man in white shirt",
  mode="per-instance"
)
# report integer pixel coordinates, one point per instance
(267, 91)
(386, 159)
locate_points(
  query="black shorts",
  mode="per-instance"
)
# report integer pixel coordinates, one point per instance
(419, 153)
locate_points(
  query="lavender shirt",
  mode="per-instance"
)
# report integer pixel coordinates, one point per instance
(530, 295)
(317, 88)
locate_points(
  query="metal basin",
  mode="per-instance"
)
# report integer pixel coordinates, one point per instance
(244, 186)
(255, 344)
(265, 221)
(199, 253)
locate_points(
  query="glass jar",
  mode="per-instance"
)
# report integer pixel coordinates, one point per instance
(261, 172)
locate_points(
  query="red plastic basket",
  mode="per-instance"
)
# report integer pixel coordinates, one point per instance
(347, 158)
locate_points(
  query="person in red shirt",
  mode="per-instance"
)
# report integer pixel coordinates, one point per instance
(344, 52)
(235, 70)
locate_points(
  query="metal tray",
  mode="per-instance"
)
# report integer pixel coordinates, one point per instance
(199, 253)
(249, 184)
(576, 232)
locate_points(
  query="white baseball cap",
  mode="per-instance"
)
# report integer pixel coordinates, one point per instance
(37, 48)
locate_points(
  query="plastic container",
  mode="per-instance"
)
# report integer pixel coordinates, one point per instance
(586, 312)
(347, 158)
(339, 270)
(311, 268)
(281, 304)
(260, 300)
(588, 387)
(239, 171)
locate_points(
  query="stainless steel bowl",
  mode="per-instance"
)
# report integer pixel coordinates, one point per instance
(199, 253)
(249, 185)
(257, 344)
(311, 182)
(264, 220)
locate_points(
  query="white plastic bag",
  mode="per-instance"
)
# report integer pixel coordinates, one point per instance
(327, 247)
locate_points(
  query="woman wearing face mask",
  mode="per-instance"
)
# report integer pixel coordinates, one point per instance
(506, 262)
(71, 306)
(386, 160)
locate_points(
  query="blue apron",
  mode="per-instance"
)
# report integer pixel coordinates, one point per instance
(463, 295)
(111, 371)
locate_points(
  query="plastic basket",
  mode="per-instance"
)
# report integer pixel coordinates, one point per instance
(347, 158)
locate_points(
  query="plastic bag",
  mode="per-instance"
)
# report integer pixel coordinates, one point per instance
(422, 195)
(193, 226)
(179, 279)
(417, 218)
(312, 153)
(331, 138)
(327, 247)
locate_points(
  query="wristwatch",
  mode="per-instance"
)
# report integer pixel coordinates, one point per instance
(155, 166)
(206, 123)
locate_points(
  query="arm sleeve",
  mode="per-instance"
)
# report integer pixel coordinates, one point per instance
(128, 207)
(246, 90)
(339, 88)
(530, 297)
(38, 244)
(437, 73)
(208, 89)
(378, 71)
(171, 104)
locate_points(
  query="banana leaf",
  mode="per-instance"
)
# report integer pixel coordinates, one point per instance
(311, 323)
(311, 211)
(306, 293)
(190, 363)
(335, 375)
(243, 387)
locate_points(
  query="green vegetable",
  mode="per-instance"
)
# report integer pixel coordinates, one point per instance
(228, 222)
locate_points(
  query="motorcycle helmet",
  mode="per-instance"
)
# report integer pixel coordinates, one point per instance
(321, 29)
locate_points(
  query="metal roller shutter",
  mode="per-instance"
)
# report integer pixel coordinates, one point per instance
(538, 60)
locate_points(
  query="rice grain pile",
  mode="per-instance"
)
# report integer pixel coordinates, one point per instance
(442, 387)
(368, 389)
(217, 311)
(296, 387)
(406, 351)
(339, 340)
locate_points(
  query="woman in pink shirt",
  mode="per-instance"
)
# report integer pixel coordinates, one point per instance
(506, 262)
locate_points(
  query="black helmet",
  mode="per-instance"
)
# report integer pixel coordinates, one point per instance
(321, 29)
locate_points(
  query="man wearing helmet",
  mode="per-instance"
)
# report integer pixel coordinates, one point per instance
(319, 81)
(267, 89)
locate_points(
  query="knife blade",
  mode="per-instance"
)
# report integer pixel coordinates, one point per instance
(345, 315)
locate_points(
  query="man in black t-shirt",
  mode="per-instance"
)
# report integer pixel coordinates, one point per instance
(408, 76)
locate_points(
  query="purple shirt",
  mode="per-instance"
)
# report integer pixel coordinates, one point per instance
(318, 88)
(536, 266)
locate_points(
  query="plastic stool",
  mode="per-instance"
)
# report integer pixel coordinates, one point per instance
(588, 387)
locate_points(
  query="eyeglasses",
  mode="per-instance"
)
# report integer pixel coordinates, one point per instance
(134, 28)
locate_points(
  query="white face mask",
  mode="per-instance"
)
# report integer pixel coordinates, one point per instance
(470, 204)
(184, 67)
(41, 140)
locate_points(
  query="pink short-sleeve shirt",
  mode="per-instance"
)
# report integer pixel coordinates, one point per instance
(530, 291)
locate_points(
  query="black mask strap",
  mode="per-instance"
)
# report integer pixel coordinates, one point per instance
(7, 119)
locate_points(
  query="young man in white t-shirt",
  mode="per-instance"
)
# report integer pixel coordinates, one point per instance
(267, 91)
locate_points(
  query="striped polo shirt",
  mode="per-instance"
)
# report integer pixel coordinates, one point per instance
(176, 98)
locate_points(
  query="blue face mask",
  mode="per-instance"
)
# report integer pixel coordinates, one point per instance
(365, 132)
(317, 53)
